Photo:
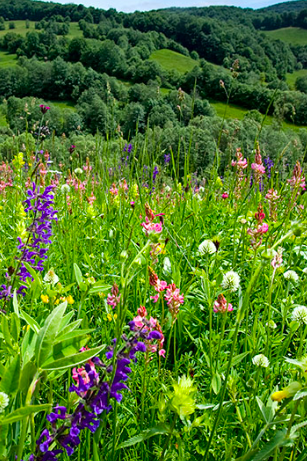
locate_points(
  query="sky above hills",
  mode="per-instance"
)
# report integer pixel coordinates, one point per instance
(145, 5)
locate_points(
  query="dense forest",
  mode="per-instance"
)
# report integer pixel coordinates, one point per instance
(101, 64)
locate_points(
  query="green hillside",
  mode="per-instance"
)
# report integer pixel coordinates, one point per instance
(21, 29)
(291, 35)
(171, 60)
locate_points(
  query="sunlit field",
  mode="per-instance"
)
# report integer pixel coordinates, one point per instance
(149, 311)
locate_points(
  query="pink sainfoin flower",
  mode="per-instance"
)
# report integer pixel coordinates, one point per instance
(87, 167)
(159, 285)
(272, 197)
(241, 165)
(258, 166)
(124, 186)
(91, 199)
(174, 299)
(225, 195)
(114, 190)
(256, 234)
(221, 305)
(149, 226)
(113, 298)
(297, 180)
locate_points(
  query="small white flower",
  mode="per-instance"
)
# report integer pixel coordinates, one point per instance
(167, 189)
(305, 270)
(291, 276)
(201, 189)
(299, 314)
(65, 189)
(51, 277)
(207, 247)
(231, 281)
(4, 401)
(261, 361)
(78, 171)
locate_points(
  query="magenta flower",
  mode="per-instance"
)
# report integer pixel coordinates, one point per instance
(225, 195)
(44, 108)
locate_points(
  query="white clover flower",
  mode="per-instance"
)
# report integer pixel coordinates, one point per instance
(231, 281)
(4, 401)
(299, 314)
(167, 266)
(261, 361)
(207, 247)
(51, 277)
(78, 171)
(291, 276)
(65, 189)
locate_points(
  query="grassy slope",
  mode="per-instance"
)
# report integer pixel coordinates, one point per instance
(7, 60)
(291, 78)
(237, 112)
(20, 28)
(172, 60)
(291, 35)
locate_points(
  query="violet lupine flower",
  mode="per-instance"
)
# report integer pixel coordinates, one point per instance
(167, 159)
(34, 251)
(269, 164)
(127, 148)
(155, 173)
(95, 393)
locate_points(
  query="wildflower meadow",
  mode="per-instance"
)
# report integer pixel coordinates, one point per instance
(149, 312)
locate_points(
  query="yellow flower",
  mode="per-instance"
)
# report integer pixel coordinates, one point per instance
(70, 299)
(109, 317)
(287, 392)
(56, 302)
(45, 299)
(115, 316)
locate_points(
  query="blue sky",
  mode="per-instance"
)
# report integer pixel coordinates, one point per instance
(144, 5)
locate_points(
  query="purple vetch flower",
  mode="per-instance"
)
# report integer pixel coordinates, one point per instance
(96, 391)
(34, 250)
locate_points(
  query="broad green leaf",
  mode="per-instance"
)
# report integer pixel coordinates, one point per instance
(30, 321)
(157, 430)
(15, 303)
(278, 440)
(15, 326)
(216, 383)
(65, 320)
(73, 360)
(27, 375)
(28, 345)
(74, 334)
(10, 380)
(72, 326)
(78, 274)
(6, 332)
(47, 334)
(300, 394)
(23, 412)
(238, 358)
